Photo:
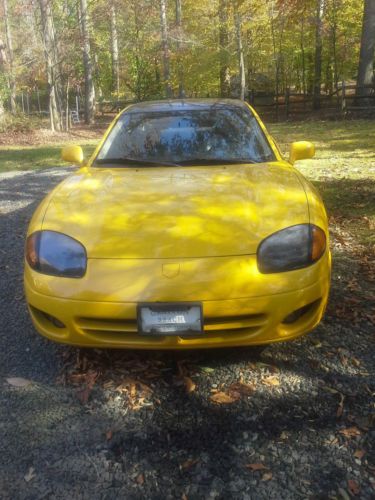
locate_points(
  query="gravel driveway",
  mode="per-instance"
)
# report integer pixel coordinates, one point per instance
(296, 421)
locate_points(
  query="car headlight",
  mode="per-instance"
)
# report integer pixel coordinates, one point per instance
(291, 248)
(56, 254)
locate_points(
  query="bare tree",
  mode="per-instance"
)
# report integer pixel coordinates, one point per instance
(180, 68)
(240, 56)
(366, 57)
(50, 56)
(3, 62)
(318, 53)
(12, 81)
(87, 65)
(223, 48)
(165, 47)
(114, 52)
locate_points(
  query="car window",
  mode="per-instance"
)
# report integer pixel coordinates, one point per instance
(191, 136)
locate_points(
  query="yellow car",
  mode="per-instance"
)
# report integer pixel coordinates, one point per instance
(185, 229)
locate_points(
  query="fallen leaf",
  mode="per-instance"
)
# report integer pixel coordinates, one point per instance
(256, 466)
(267, 366)
(189, 463)
(224, 398)
(243, 388)
(140, 479)
(359, 453)
(350, 432)
(83, 395)
(353, 487)
(206, 369)
(267, 476)
(190, 386)
(332, 390)
(272, 380)
(18, 381)
(340, 408)
(30, 475)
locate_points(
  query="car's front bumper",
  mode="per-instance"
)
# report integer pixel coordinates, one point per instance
(227, 322)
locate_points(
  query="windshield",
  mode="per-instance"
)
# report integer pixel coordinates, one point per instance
(210, 135)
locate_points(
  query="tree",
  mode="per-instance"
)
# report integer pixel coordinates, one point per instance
(223, 49)
(180, 67)
(366, 57)
(12, 81)
(240, 56)
(165, 48)
(114, 52)
(87, 65)
(318, 53)
(50, 55)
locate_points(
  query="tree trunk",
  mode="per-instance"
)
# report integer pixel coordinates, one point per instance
(12, 81)
(241, 64)
(165, 47)
(366, 57)
(223, 47)
(180, 68)
(114, 53)
(302, 46)
(318, 54)
(49, 44)
(3, 62)
(87, 65)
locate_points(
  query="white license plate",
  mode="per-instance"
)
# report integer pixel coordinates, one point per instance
(170, 319)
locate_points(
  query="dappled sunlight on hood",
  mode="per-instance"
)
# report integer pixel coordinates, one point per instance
(189, 212)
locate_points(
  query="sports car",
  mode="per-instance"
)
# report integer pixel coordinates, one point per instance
(185, 229)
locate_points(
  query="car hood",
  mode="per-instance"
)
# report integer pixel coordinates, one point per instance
(176, 212)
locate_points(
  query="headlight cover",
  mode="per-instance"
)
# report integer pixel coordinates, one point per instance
(292, 248)
(56, 254)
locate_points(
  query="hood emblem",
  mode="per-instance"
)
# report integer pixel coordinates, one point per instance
(170, 270)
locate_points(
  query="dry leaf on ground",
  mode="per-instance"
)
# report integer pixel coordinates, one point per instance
(223, 398)
(190, 386)
(18, 381)
(353, 487)
(256, 466)
(350, 432)
(140, 479)
(272, 380)
(359, 453)
(30, 475)
(340, 408)
(189, 463)
(267, 476)
(243, 388)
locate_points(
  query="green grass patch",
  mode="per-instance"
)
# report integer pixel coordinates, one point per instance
(343, 169)
(36, 157)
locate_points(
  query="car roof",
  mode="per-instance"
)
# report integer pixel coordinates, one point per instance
(185, 105)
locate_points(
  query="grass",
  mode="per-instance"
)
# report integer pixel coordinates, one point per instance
(343, 169)
(36, 157)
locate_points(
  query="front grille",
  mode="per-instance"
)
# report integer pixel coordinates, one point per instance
(219, 324)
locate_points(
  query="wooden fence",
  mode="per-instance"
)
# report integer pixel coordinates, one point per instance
(341, 103)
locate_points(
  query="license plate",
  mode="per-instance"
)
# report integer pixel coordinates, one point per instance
(170, 319)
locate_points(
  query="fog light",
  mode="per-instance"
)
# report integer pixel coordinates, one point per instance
(298, 313)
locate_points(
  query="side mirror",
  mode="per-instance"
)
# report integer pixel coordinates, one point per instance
(301, 150)
(72, 154)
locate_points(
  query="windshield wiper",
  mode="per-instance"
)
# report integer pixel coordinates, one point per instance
(215, 161)
(135, 161)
